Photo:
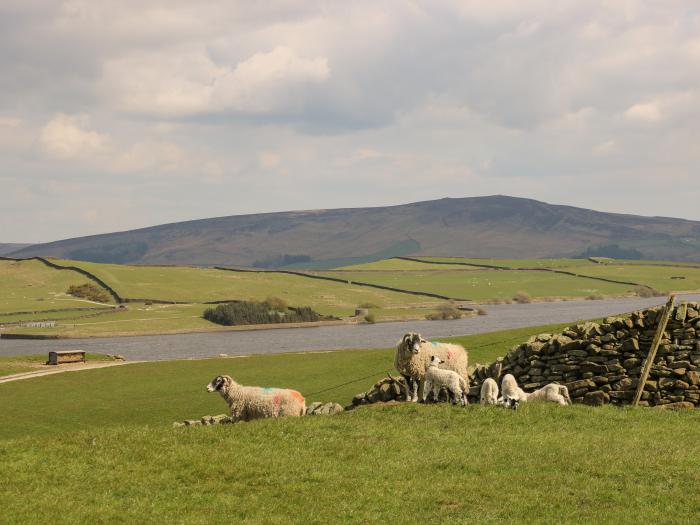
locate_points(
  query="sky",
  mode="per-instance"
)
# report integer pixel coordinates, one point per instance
(119, 114)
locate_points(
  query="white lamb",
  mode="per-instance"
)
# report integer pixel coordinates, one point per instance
(436, 378)
(553, 393)
(489, 392)
(512, 394)
(412, 357)
(254, 402)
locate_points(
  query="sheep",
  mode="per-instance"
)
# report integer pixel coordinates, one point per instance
(436, 378)
(254, 402)
(513, 394)
(413, 355)
(552, 392)
(489, 392)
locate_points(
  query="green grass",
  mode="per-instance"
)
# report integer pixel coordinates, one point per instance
(29, 286)
(26, 363)
(96, 447)
(60, 315)
(201, 284)
(658, 277)
(480, 285)
(515, 263)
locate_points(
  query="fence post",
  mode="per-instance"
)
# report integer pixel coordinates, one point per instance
(663, 321)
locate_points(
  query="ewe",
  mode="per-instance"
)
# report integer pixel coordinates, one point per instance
(436, 378)
(254, 402)
(413, 354)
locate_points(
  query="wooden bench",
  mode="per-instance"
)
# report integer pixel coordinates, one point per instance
(66, 356)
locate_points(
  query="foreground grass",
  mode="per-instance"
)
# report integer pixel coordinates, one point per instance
(403, 463)
(97, 447)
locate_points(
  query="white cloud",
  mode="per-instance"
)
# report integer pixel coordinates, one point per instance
(67, 137)
(9, 122)
(646, 113)
(185, 83)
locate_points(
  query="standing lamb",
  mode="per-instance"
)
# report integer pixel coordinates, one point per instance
(436, 378)
(413, 354)
(254, 402)
(489, 392)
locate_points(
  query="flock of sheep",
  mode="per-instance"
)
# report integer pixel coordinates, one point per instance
(421, 363)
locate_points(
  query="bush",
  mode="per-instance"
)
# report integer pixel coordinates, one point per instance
(594, 297)
(444, 312)
(369, 318)
(244, 313)
(646, 291)
(367, 306)
(277, 304)
(89, 291)
(481, 311)
(522, 298)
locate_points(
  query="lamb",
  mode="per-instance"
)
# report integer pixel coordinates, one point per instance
(489, 392)
(513, 394)
(253, 402)
(413, 355)
(552, 392)
(436, 378)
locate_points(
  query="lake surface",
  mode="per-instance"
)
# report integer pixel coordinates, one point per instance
(380, 335)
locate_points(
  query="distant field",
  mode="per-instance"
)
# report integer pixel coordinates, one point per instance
(658, 277)
(33, 286)
(513, 263)
(484, 285)
(110, 430)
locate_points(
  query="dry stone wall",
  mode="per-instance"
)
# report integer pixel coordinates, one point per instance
(601, 363)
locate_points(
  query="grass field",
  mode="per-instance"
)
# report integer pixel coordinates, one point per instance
(29, 286)
(105, 452)
(27, 363)
(485, 285)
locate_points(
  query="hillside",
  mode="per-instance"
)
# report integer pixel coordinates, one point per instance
(496, 226)
(6, 248)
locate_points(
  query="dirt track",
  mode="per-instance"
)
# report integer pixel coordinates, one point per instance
(500, 317)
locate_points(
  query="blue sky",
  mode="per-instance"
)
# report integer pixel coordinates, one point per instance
(121, 114)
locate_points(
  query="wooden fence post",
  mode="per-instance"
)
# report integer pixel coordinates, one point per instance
(663, 321)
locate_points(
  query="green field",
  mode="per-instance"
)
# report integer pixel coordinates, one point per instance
(27, 363)
(29, 286)
(105, 452)
(486, 285)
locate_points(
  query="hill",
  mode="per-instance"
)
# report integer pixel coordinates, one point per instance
(495, 226)
(6, 248)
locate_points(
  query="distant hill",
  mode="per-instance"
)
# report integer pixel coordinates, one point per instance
(6, 248)
(496, 226)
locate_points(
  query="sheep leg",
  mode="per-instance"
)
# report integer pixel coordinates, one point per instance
(407, 380)
(416, 387)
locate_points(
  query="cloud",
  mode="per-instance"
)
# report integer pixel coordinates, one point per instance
(180, 84)
(645, 113)
(67, 137)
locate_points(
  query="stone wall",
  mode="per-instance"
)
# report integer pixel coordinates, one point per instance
(601, 363)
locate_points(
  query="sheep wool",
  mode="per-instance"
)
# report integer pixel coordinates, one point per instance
(412, 357)
(553, 393)
(254, 402)
(511, 390)
(436, 378)
(489, 392)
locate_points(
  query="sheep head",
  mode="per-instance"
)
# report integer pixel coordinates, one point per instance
(411, 342)
(436, 361)
(219, 383)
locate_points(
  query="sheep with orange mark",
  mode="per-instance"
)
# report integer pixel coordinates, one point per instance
(254, 402)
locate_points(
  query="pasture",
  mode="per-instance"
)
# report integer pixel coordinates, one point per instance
(105, 451)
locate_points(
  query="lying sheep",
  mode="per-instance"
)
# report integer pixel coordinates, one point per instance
(254, 402)
(436, 378)
(553, 392)
(512, 394)
(413, 355)
(489, 392)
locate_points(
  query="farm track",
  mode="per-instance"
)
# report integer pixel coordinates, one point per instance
(380, 335)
